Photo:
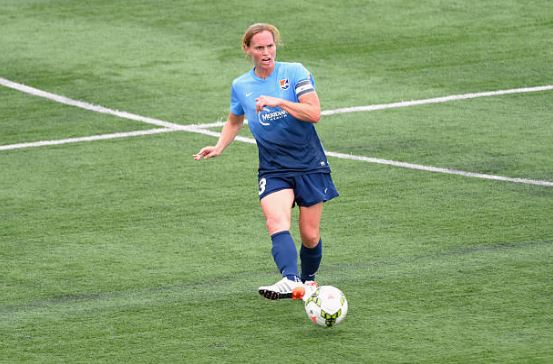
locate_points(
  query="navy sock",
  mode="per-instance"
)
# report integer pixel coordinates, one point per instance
(285, 254)
(310, 261)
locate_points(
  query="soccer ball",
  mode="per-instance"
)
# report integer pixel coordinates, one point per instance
(327, 306)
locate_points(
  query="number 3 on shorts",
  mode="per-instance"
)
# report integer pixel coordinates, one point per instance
(262, 184)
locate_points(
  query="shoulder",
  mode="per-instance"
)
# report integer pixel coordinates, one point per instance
(296, 70)
(291, 66)
(242, 79)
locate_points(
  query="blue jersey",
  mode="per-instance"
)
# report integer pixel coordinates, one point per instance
(286, 145)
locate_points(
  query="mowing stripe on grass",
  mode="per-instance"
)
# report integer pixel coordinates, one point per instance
(203, 128)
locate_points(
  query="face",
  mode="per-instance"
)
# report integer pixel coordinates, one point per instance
(262, 50)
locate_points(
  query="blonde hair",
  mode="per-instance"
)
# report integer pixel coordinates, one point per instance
(258, 28)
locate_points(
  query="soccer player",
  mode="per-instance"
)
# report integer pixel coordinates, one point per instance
(282, 106)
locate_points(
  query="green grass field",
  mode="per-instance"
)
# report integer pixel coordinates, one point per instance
(127, 250)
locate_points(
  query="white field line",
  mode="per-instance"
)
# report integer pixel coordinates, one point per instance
(202, 128)
(437, 100)
(84, 105)
(396, 105)
(420, 167)
(85, 139)
(91, 107)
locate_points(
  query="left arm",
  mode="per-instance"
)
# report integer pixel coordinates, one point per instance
(308, 108)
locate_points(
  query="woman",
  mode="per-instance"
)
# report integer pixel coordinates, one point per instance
(282, 106)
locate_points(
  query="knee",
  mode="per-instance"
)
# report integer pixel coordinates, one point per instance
(275, 225)
(310, 239)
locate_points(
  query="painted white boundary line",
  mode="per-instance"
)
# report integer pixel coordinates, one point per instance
(418, 167)
(202, 128)
(437, 100)
(440, 170)
(85, 139)
(96, 108)
(396, 105)
(84, 105)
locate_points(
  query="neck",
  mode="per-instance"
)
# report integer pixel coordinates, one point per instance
(263, 73)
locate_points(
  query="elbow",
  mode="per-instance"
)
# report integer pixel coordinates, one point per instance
(316, 117)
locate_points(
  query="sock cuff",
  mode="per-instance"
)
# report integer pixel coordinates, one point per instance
(316, 247)
(284, 232)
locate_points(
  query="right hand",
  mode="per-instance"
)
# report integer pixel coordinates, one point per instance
(206, 153)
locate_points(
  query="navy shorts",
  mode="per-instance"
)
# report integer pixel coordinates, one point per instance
(309, 189)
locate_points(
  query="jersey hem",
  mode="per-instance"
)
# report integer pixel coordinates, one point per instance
(292, 173)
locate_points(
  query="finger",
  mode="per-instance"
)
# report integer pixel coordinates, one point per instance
(200, 154)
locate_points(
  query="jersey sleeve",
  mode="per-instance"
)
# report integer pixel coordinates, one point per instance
(304, 81)
(235, 105)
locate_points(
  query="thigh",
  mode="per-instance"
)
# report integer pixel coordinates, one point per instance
(277, 208)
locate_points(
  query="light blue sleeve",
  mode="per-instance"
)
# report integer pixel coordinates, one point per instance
(304, 81)
(303, 73)
(235, 105)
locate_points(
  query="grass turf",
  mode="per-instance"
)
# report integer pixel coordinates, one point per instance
(127, 250)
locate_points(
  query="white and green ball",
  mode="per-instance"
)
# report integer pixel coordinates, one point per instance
(327, 306)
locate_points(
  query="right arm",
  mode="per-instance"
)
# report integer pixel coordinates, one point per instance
(230, 131)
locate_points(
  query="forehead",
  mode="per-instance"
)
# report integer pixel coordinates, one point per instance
(262, 38)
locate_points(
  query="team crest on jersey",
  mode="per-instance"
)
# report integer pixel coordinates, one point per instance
(284, 84)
